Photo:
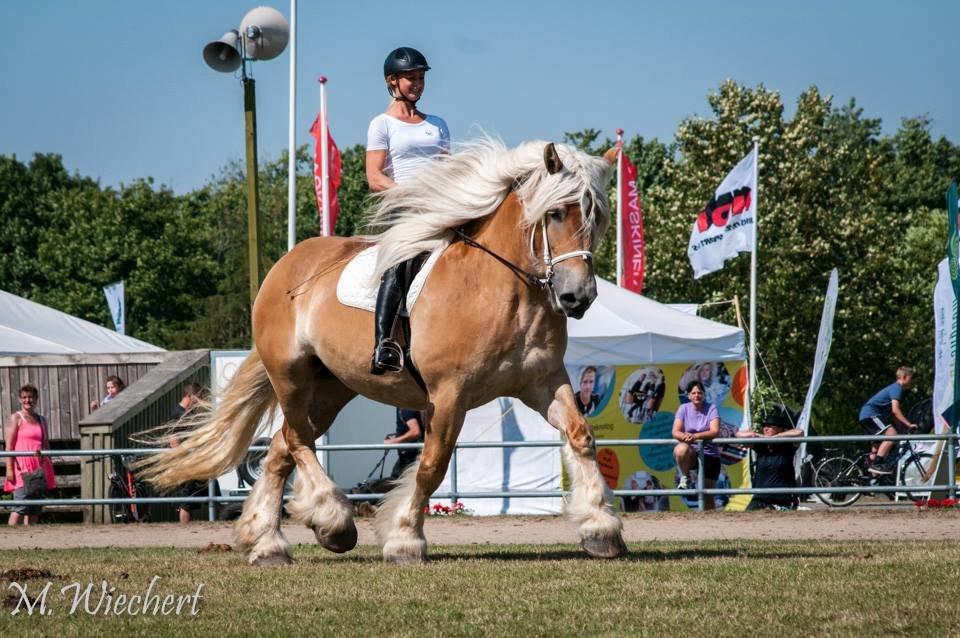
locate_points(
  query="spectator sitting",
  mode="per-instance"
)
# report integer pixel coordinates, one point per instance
(695, 421)
(774, 467)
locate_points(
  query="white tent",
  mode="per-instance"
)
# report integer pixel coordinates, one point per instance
(27, 327)
(621, 328)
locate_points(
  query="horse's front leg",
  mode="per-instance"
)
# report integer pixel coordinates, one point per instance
(399, 522)
(589, 505)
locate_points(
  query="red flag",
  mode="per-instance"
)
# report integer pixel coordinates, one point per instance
(333, 157)
(634, 247)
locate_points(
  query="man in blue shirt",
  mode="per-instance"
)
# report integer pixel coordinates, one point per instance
(880, 415)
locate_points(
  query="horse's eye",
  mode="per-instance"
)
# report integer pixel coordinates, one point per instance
(558, 214)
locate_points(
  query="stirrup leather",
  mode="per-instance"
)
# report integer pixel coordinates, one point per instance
(389, 356)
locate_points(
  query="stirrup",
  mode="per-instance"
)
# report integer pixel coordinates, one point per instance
(388, 357)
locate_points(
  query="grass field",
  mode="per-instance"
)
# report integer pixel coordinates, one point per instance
(712, 588)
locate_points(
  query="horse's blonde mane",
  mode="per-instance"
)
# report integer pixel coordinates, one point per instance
(419, 215)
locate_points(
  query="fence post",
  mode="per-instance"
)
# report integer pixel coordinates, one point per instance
(211, 506)
(701, 501)
(453, 476)
(952, 465)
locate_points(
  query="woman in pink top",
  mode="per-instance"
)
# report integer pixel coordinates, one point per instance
(26, 431)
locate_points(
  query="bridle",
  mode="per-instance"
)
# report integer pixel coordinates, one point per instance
(549, 261)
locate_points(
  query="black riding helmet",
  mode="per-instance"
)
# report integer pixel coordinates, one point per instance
(781, 416)
(403, 60)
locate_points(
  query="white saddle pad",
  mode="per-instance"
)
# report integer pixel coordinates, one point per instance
(358, 289)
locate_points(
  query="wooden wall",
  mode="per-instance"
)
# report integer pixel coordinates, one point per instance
(67, 384)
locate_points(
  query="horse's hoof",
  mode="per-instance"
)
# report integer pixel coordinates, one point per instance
(271, 560)
(339, 543)
(604, 547)
(410, 552)
(404, 559)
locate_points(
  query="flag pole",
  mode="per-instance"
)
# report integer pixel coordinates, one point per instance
(292, 134)
(619, 251)
(752, 369)
(326, 231)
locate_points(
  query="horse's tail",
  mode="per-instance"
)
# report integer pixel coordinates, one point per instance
(211, 441)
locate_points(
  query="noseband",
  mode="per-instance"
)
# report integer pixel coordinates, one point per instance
(549, 261)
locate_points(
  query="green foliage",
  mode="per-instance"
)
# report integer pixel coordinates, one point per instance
(834, 192)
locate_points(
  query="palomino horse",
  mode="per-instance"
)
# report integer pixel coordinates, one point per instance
(516, 228)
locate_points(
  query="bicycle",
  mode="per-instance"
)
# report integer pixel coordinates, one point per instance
(840, 471)
(124, 484)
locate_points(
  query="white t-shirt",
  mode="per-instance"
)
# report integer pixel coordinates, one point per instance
(407, 145)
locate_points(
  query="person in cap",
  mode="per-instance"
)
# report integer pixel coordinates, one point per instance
(774, 466)
(399, 142)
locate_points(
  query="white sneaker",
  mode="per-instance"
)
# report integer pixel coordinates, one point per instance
(684, 483)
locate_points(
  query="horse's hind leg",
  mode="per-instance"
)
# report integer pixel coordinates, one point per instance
(399, 522)
(589, 506)
(257, 532)
(318, 503)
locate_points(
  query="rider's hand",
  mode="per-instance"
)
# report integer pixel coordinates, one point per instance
(911, 426)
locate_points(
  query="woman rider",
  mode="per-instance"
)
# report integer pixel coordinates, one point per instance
(399, 141)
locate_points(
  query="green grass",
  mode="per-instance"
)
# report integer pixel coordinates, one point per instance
(745, 588)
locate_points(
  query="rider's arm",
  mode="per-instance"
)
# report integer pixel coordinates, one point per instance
(898, 414)
(376, 178)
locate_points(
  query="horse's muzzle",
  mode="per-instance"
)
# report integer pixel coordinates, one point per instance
(575, 303)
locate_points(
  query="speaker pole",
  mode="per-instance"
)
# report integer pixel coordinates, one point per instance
(253, 214)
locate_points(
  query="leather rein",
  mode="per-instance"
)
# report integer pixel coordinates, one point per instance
(549, 261)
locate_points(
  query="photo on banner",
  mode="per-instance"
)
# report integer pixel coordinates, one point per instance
(644, 409)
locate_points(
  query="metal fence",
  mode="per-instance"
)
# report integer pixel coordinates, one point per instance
(948, 486)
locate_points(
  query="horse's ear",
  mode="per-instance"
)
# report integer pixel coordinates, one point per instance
(611, 156)
(552, 159)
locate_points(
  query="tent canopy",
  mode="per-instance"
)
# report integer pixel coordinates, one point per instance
(27, 327)
(624, 328)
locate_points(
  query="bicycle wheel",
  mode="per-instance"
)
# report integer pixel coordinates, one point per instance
(118, 511)
(837, 471)
(912, 472)
(140, 511)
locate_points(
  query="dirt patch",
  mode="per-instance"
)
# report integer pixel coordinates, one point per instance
(859, 524)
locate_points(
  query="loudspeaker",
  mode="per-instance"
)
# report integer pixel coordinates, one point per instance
(222, 55)
(265, 33)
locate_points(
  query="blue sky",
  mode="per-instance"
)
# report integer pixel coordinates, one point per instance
(119, 88)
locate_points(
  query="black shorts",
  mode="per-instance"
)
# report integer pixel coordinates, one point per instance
(873, 425)
(192, 488)
(711, 467)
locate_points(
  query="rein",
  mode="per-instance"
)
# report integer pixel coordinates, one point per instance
(549, 261)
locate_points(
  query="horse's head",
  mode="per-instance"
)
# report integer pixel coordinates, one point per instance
(567, 232)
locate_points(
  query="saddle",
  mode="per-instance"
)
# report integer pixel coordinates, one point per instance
(357, 287)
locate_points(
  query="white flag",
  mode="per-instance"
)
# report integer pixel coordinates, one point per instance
(726, 224)
(945, 343)
(114, 294)
(824, 339)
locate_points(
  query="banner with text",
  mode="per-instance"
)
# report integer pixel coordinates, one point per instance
(634, 248)
(639, 402)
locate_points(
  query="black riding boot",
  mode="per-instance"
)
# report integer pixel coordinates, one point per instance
(387, 354)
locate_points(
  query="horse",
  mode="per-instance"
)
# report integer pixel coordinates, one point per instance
(516, 228)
